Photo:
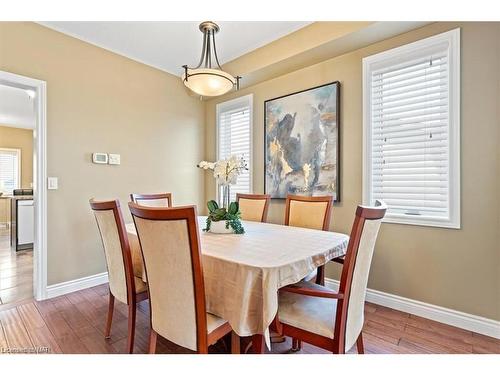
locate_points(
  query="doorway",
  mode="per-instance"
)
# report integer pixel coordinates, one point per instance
(25, 228)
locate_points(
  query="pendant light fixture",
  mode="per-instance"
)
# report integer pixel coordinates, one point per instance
(207, 79)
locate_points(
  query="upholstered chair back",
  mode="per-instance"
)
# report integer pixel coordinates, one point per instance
(253, 207)
(308, 212)
(116, 247)
(356, 268)
(152, 200)
(170, 248)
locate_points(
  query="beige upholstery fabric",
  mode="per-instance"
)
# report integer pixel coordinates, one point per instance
(313, 314)
(163, 202)
(113, 252)
(244, 272)
(167, 257)
(252, 209)
(307, 214)
(136, 254)
(140, 286)
(355, 312)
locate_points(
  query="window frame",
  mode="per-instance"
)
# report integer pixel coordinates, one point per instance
(452, 38)
(19, 171)
(218, 109)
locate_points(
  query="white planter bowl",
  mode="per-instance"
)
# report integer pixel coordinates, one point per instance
(219, 227)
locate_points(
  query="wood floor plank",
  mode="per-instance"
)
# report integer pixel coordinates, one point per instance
(43, 338)
(31, 316)
(405, 344)
(484, 344)
(102, 289)
(391, 315)
(9, 316)
(3, 339)
(15, 331)
(70, 313)
(383, 332)
(95, 342)
(40, 334)
(457, 345)
(17, 280)
(65, 337)
(17, 336)
(370, 307)
(97, 316)
(71, 344)
(444, 329)
(93, 297)
(53, 319)
(424, 342)
(376, 345)
(16, 293)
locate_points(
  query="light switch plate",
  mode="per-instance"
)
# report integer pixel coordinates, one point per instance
(114, 159)
(52, 183)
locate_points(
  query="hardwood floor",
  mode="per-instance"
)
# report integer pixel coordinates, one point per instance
(16, 271)
(74, 323)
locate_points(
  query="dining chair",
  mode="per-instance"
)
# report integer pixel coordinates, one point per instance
(170, 245)
(152, 200)
(325, 318)
(123, 284)
(312, 213)
(253, 207)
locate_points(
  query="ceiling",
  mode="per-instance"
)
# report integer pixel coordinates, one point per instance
(169, 45)
(16, 108)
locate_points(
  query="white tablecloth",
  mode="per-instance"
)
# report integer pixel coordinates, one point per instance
(243, 273)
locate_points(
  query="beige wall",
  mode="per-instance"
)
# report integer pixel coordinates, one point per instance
(23, 140)
(458, 269)
(99, 101)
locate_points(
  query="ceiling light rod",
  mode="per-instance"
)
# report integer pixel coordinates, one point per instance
(211, 80)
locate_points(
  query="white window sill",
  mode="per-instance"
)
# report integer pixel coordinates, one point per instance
(421, 221)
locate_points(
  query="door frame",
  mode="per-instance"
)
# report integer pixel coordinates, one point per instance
(39, 176)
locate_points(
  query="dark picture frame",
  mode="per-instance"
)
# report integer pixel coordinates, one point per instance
(335, 86)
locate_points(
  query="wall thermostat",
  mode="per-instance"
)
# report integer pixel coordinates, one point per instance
(100, 158)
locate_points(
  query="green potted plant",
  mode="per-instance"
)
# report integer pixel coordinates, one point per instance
(222, 220)
(225, 219)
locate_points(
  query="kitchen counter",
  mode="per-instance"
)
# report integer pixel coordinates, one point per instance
(16, 197)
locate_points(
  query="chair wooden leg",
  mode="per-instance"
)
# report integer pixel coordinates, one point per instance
(359, 344)
(111, 307)
(235, 343)
(131, 327)
(258, 344)
(296, 345)
(153, 336)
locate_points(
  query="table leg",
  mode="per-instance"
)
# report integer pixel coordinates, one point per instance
(235, 343)
(320, 277)
(258, 344)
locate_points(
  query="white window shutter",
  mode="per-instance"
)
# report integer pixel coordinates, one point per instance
(411, 128)
(9, 170)
(234, 137)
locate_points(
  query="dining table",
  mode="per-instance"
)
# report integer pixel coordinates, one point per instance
(243, 272)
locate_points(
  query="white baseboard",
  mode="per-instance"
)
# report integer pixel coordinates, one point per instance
(66, 287)
(440, 314)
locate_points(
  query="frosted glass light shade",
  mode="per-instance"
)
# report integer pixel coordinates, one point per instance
(208, 82)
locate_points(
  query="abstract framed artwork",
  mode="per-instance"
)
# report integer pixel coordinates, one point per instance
(301, 141)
